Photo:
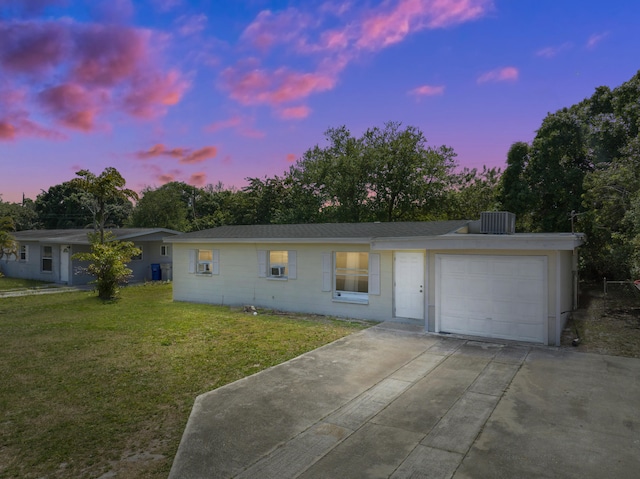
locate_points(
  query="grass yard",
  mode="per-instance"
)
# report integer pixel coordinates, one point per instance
(7, 284)
(93, 389)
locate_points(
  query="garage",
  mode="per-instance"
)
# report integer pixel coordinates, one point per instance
(492, 296)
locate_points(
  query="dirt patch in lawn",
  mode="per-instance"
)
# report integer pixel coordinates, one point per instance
(606, 323)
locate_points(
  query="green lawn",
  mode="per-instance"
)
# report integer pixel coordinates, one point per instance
(90, 387)
(15, 283)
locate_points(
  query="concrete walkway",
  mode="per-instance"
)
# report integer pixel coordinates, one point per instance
(384, 403)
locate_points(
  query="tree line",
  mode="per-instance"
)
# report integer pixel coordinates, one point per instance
(581, 172)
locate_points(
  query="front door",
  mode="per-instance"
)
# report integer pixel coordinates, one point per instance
(64, 263)
(409, 285)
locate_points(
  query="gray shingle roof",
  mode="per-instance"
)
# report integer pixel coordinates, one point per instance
(79, 236)
(325, 231)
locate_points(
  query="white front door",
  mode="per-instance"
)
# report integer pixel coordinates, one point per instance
(64, 263)
(409, 285)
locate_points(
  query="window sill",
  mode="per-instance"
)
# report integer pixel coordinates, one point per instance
(351, 300)
(275, 278)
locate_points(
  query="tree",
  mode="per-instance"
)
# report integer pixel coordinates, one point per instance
(108, 262)
(556, 170)
(164, 207)
(612, 217)
(103, 190)
(338, 175)
(63, 206)
(23, 214)
(472, 193)
(406, 177)
(514, 194)
(67, 205)
(8, 246)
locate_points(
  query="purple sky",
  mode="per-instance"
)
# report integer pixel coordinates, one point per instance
(204, 91)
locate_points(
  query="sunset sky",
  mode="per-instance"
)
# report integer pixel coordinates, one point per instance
(203, 91)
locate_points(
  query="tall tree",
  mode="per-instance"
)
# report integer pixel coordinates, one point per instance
(514, 194)
(103, 190)
(472, 192)
(556, 170)
(63, 206)
(23, 214)
(168, 206)
(406, 176)
(8, 246)
(339, 175)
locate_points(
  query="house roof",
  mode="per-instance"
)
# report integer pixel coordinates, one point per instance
(321, 231)
(79, 236)
(446, 235)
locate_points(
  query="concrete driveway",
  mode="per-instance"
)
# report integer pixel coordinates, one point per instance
(389, 403)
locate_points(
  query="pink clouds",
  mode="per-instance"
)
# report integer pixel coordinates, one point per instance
(550, 52)
(257, 86)
(331, 37)
(198, 179)
(500, 75)
(595, 39)
(295, 112)
(244, 126)
(80, 72)
(427, 90)
(183, 155)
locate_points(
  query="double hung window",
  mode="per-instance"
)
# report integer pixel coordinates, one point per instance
(47, 259)
(351, 276)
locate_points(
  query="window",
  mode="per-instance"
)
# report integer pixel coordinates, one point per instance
(164, 250)
(24, 253)
(351, 278)
(278, 261)
(47, 259)
(137, 257)
(277, 264)
(204, 261)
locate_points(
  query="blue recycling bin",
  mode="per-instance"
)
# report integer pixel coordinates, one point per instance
(156, 272)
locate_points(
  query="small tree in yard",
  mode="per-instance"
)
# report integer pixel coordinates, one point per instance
(108, 263)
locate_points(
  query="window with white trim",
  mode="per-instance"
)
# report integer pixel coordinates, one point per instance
(351, 276)
(348, 275)
(204, 261)
(164, 250)
(277, 264)
(23, 254)
(47, 259)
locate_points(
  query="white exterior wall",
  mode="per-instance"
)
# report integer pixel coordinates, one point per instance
(238, 282)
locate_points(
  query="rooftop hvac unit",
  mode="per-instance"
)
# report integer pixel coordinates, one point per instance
(497, 223)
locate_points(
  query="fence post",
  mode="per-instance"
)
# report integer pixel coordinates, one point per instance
(605, 285)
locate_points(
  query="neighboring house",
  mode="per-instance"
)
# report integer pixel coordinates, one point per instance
(46, 255)
(447, 277)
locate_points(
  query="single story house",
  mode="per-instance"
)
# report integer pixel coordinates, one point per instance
(474, 278)
(46, 255)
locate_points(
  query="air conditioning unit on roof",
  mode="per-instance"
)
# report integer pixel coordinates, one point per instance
(497, 223)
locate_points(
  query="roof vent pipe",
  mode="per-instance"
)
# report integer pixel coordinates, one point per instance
(497, 223)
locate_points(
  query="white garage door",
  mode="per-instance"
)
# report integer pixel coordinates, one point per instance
(492, 296)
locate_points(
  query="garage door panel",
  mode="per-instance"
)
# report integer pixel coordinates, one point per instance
(492, 296)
